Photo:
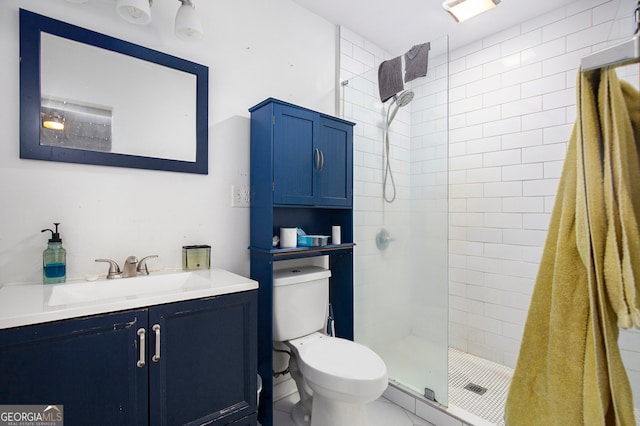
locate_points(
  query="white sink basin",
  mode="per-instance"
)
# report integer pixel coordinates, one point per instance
(65, 294)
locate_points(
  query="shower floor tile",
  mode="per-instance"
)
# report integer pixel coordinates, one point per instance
(465, 369)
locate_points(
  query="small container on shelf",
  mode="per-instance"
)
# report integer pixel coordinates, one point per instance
(312, 240)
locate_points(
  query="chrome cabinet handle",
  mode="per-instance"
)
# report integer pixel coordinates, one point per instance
(321, 160)
(156, 357)
(316, 152)
(140, 363)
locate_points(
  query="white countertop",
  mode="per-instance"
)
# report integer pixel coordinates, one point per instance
(26, 304)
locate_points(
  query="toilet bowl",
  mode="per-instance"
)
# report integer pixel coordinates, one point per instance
(343, 376)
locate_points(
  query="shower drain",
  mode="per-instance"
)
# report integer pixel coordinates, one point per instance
(475, 388)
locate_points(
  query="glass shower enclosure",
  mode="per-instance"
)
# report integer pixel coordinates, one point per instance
(401, 254)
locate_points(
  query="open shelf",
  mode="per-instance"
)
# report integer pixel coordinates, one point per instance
(315, 251)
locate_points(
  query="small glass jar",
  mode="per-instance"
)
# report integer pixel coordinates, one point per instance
(196, 257)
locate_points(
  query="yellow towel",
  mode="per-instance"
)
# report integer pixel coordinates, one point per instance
(569, 371)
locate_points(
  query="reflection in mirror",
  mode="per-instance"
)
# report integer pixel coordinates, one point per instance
(70, 125)
(104, 101)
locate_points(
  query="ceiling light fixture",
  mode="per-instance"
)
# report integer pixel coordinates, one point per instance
(188, 25)
(135, 11)
(461, 10)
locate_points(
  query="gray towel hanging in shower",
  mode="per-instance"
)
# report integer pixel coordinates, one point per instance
(390, 78)
(416, 61)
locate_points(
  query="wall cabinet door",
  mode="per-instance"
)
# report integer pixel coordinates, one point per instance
(88, 365)
(312, 158)
(295, 131)
(335, 183)
(205, 370)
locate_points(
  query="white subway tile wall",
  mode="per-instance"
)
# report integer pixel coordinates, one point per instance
(511, 112)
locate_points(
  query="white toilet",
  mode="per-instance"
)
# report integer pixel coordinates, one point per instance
(343, 376)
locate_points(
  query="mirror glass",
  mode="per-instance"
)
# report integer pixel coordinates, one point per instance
(89, 98)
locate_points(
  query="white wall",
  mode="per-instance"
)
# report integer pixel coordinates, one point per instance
(512, 109)
(253, 49)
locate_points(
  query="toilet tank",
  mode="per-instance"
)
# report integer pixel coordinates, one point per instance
(300, 300)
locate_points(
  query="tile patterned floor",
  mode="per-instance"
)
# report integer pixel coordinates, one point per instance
(381, 412)
(465, 369)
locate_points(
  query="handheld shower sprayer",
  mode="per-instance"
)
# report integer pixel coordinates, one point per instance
(397, 102)
(400, 101)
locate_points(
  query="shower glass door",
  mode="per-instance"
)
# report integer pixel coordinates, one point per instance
(401, 254)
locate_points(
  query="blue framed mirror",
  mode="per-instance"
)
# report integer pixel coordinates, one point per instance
(89, 98)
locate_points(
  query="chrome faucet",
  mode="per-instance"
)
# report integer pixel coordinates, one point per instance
(132, 267)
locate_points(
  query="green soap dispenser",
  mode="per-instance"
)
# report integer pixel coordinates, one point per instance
(54, 259)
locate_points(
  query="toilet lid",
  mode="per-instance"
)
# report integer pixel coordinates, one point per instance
(334, 362)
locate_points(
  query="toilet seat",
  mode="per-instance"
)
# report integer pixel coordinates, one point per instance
(340, 365)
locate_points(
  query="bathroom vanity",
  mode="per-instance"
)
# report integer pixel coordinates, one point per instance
(182, 354)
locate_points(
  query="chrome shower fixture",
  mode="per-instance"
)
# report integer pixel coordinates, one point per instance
(400, 101)
(383, 238)
(461, 10)
(404, 98)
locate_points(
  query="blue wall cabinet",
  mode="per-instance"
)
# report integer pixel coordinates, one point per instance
(301, 176)
(310, 155)
(196, 364)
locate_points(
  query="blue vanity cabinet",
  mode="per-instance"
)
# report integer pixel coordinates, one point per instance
(306, 157)
(199, 364)
(88, 365)
(206, 371)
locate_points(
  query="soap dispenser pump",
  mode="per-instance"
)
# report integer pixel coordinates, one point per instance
(54, 259)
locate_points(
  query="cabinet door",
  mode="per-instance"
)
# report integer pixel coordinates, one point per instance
(295, 161)
(88, 365)
(206, 371)
(336, 173)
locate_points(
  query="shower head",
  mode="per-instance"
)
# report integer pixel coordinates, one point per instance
(400, 100)
(404, 98)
